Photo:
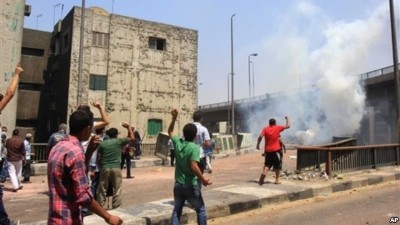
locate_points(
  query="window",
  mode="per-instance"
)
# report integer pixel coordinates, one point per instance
(32, 51)
(65, 41)
(100, 39)
(98, 82)
(154, 126)
(157, 43)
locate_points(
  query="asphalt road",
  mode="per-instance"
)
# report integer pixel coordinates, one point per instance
(366, 205)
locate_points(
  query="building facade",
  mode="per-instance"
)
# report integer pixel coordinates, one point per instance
(34, 55)
(12, 19)
(139, 70)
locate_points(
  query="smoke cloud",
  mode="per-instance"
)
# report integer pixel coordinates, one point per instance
(329, 99)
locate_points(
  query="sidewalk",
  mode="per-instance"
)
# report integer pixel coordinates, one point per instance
(147, 199)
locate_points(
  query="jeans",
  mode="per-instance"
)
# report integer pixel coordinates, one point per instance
(4, 170)
(26, 170)
(193, 195)
(95, 183)
(3, 214)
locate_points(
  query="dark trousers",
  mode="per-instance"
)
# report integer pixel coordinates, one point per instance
(3, 214)
(172, 154)
(4, 170)
(138, 151)
(26, 170)
(126, 157)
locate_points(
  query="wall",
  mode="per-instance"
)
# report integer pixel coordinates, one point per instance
(11, 23)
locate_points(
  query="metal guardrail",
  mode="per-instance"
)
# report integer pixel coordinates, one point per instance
(41, 155)
(347, 158)
(375, 73)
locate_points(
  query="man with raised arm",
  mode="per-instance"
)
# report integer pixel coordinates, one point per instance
(4, 100)
(187, 173)
(272, 148)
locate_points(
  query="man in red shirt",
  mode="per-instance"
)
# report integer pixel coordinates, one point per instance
(272, 148)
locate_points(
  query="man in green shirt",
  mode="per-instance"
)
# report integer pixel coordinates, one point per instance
(109, 158)
(187, 173)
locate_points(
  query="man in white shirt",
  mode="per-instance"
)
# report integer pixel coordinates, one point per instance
(202, 138)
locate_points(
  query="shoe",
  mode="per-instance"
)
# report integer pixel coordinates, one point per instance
(261, 181)
(20, 187)
(14, 222)
(14, 190)
(210, 171)
(130, 177)
(26, 181)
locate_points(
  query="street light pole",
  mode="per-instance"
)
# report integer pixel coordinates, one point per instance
(395, 66)
(232, 81)
(249, 102)
(54, 13)
(37, 21)
(248, 60)
(252, 68)
(227, 106)
(197, 94)
(80, 65)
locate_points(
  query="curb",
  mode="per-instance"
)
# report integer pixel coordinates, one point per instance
(231, 199)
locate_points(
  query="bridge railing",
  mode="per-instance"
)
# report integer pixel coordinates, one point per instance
(40, 152)
(347, 158)
(375, 73)
(363, 76)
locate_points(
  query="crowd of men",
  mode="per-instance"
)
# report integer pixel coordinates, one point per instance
(85, 163)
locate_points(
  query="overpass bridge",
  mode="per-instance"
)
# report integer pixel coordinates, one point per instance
(377, 127)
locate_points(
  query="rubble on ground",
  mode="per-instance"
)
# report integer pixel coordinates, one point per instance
(308, 175)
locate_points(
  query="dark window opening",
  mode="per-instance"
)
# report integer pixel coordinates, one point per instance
(29, 86)
(100, 39)
(157, 43)
(26, 122)
(65, 41)
(32, 51)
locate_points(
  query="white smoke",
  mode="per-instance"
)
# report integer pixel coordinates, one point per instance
(329, 100)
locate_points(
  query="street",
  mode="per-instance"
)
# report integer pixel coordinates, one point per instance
(150, 184)
(374, 204)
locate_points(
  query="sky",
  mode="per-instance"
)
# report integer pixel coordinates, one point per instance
(299, 44)
(284, 34)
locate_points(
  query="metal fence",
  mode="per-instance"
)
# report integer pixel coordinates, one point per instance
(41, 154)
(347, 158)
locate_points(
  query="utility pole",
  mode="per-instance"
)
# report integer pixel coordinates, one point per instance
(79, 96)
(395, 66)
(232, 81)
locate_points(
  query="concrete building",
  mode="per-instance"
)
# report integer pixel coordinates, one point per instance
(139, 70)
(11, 22)
(34, 55)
